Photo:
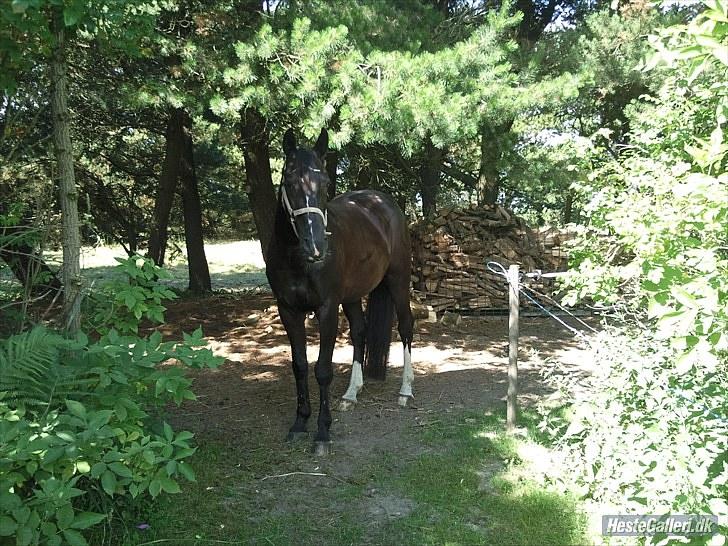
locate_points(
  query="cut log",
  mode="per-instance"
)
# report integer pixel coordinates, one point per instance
(451, 251)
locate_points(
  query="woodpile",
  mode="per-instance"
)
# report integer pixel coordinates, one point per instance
(450, 252)
(553, 242)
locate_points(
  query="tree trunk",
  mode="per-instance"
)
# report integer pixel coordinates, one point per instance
(568, 209)
(491, 151)
(363, 178)
(68, 194)
(488, 176)
(430, 177)
(261, 194)
(196, 261)
(536, 17)
(332, 160)
(167, 184)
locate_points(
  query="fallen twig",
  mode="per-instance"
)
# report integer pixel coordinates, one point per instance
(322, 474)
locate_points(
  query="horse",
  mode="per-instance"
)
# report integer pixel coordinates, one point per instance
(323, 254)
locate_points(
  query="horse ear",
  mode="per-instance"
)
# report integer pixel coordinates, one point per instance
(289, 142)
(322, 144)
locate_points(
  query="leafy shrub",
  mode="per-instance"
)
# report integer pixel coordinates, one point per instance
(134, 295)
(651, 433)
(76, 423)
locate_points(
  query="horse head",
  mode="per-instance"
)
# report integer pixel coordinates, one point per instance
(303, 194)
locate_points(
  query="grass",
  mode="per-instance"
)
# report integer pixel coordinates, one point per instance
(476, 489)
(470, 485)
(219, 508)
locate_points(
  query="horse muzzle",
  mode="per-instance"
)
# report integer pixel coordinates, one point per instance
(315, 258)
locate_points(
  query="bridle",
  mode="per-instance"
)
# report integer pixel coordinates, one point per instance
(292, 213)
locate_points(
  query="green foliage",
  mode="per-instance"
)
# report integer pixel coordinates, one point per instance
(134, 295)
(445, 94)
(648, 438)
(298, 73)
(652, 434)
(25, 31)
(79, 432)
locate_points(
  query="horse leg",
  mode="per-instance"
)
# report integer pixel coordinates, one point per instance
(293, 321)
(357, 328)
(328, 328)
(399, 288)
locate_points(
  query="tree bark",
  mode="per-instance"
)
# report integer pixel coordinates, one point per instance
(491, 151)
(199, 272)
(536, 17)
(488, 176)
(568, 209)
(332, 160)
(68, 194)
(430, 177)
(167, 185)
(261, 194)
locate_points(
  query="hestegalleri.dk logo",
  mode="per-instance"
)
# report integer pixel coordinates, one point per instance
(651, 524)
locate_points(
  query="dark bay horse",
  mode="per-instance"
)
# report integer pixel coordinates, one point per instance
(325, 254)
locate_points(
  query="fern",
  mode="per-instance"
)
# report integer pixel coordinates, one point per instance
(32, 373)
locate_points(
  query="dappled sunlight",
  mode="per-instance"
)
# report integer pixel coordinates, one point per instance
(234, 265)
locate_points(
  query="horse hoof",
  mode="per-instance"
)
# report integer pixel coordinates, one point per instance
(346, 405)
(403, 401)
(295, 436)
(322, 449)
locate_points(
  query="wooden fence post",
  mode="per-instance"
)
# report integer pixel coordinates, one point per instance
(513, 302)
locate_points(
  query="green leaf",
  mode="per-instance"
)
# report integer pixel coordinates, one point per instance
(76, 408)
(183, 436)
(64, 516)
(169, 485)
(53, 454)
(21, 514)
(74, 538)
(73, 13)
(23, 536)
(7, 526)
(155, 487)
(120, 411)
(120, 470)
(186, 470)
(48, 528)
(9, 501)
(108, 482)
(98, 469)
(168, 434)
(84, 520)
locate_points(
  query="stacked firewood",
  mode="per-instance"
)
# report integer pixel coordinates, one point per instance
(554, 245)
(451, 250)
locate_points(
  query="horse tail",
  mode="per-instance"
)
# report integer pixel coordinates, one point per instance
(380, 317)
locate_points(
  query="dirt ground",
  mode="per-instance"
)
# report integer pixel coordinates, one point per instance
(249, 402)
(456, 367)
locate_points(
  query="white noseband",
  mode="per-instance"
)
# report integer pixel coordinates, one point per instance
(292, 213)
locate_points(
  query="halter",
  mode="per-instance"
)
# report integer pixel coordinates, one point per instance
(292, 213)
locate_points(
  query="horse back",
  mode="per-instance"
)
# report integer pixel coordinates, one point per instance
(370, 239)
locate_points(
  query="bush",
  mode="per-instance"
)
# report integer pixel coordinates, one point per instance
(79, 436)
(134, 296)
(650, 435)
